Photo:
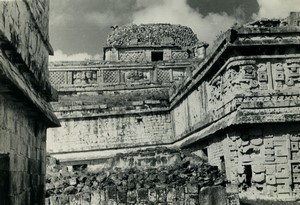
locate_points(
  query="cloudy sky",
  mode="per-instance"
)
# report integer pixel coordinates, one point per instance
(79, 28)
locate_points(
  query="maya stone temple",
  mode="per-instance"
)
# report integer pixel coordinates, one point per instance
(156, 87)
(161, 116)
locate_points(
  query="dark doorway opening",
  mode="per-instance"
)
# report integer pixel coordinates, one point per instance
(248, 172)
(157, 56)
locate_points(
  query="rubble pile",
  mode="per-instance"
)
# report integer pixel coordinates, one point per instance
(152, 34)
(191, 170)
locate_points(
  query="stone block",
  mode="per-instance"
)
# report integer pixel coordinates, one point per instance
(75, 199)
(270, 179)
(152, 102)
(111, 193)
(131, 197)
(95, 198)
(283, 188)
(269, 143)
(295, 146)
(191, 199)
(138, 103)
(281, 159)
(282, 180)
(280, 143)
(142, 195)
(161, 195)
(281, 151)
(296, 178)
(270, 168)
(271, 190)
(191, 188)
(295, 168)
(63, 199)
(233, 199)
(269, 158)
(258, 177)
(103, 106)
(180, 193)
(283, 168)
(171, 195)
(269, 151)
(256, 142)
(246, 159)
(152, 195)
(122, 197)
(258, 168)
(213, 196)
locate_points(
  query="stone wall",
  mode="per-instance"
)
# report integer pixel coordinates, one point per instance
(24, 140)
(25, 93)
(25, 24)
(110, 132)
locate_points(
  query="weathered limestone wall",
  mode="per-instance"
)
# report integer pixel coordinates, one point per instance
(25, 93)
(25, 24)
(110, 132)
(191, 112)
(24, 140)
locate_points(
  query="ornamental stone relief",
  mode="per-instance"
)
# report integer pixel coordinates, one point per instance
(132, 56)
(249, 75)
(84, 77)
(180, 55)
(239, 75)
(135, 76)
(292, 72)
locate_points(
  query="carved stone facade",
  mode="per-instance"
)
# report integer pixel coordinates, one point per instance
(240, 105)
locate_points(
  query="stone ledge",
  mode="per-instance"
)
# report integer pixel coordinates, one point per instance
(15, 86)
(15, 58)
(92, 113)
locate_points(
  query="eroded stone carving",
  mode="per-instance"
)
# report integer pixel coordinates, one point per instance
(292, 73)
(132, 56)
(180, 55)
(84, 77)
(239, 75)
(135, 76)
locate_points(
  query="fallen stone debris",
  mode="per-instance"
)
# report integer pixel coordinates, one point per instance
(191, 173)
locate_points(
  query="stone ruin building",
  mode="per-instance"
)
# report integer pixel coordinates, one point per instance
(239, 106)
(25, 93)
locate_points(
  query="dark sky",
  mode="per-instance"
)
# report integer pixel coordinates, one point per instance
(79, 28)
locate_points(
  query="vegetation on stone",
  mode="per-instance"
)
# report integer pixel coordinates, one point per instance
(152, 34)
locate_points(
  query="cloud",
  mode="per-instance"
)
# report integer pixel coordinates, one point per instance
(179, 12)
(102, 19)
(276, 8)
(61, 56)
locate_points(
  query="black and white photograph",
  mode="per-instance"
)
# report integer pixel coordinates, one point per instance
(150, 102)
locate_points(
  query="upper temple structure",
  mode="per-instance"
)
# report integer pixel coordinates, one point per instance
(238, 106)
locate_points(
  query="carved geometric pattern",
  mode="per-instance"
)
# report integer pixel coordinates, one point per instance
(163, 75)
(179, 55)
(57, 78)
(137, 56)
(110, 76)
